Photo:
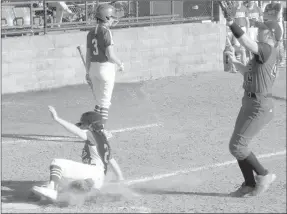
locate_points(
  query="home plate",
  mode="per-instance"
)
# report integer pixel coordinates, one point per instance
(19, 206)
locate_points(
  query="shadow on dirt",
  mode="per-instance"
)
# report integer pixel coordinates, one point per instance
(155, 191)
(37, 137)
(18, 191)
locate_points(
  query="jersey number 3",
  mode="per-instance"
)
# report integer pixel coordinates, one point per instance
(95, 47)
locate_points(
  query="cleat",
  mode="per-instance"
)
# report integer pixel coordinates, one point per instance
(242, 191)
(51, 194)
(262, 184)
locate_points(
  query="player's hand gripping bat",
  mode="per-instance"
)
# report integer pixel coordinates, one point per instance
(84, 62)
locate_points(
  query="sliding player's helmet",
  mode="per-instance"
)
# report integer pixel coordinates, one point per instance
(89, 118)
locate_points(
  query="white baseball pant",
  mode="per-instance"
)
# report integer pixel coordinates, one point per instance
(72, 170)
(102, 76)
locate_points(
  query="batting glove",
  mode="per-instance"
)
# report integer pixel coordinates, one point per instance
(227, 7)
(88, 79)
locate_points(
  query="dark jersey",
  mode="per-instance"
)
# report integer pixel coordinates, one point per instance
(263, 70)
(98, 40)
(97, 149)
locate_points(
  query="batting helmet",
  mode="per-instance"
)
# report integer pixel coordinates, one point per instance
(89, 118)
(105, 11)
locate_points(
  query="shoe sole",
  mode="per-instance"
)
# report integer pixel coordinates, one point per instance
(43, 196)
(234, 195)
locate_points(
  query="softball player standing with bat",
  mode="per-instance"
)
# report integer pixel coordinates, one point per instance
(257, 106)
(101, 60)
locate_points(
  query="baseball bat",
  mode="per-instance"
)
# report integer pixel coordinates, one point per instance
(84, 62)
(82, 55)
(226, 60)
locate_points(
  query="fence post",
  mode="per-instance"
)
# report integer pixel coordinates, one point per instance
(129, 13)
(86, 12)
(212, 12)
(172, 10)
(45, 16)
(137, 10)
(31, 16)
(129, 8)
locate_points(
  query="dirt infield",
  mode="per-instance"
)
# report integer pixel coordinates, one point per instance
(170, 137)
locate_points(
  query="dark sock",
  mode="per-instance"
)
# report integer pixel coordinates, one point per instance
(256, 166)
(105, 115)
(247, 172)
(97, 109)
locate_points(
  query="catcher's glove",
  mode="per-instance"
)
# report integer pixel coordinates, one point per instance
(227, 8)
(81, 186)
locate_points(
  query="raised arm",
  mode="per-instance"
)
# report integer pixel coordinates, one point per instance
(239, 34)
(243, 38)
(67, 125)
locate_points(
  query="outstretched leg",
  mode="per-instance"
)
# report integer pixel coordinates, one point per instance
(69, 170)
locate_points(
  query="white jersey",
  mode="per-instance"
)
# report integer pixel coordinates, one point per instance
(96, 150)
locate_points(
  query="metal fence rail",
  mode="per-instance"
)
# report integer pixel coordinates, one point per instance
(27, 17)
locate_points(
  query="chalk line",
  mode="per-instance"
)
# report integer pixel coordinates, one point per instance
(201, 168)
(136, 128)
(18, 138)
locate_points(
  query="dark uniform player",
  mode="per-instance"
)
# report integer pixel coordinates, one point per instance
(257, 106)
(96, 156)
(101, 59)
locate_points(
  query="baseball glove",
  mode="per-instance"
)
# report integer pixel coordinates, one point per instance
(81, 186)
(227, 8)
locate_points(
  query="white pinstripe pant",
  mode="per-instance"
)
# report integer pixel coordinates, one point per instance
(102, 76)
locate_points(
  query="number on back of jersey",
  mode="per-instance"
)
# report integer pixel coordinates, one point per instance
(95, 46)
(107, 153)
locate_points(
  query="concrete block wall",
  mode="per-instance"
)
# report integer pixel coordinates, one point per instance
(42, 62)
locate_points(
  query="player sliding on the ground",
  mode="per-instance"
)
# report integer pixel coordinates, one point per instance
(257, 105)
(96, 156)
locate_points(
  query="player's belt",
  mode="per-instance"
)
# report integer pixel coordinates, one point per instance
(253, 95)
